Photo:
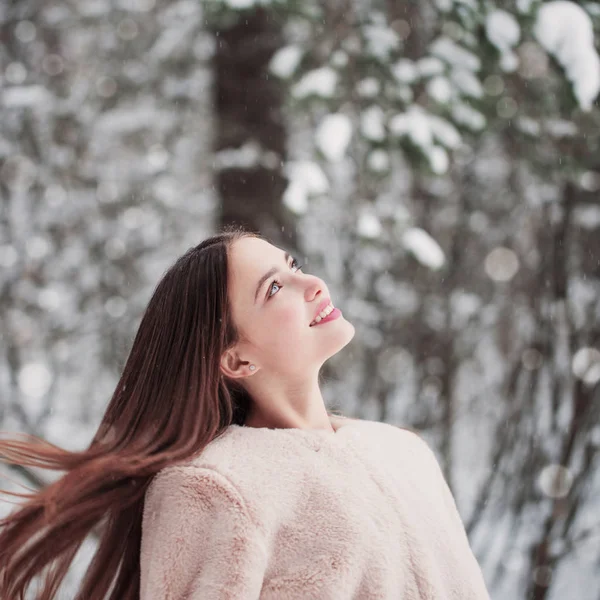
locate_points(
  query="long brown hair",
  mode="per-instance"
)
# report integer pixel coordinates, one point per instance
(170, 402)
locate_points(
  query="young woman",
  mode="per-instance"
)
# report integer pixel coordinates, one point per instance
(217, 472)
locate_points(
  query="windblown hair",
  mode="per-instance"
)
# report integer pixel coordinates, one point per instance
(172, 400)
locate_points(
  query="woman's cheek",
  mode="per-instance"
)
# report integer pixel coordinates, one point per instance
(290, 319)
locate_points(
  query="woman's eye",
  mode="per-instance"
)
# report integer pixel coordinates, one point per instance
(295, 265)
(271, 288)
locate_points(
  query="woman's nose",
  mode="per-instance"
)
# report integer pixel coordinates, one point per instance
(314, 288)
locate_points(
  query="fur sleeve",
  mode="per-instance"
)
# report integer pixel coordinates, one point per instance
(198, 540)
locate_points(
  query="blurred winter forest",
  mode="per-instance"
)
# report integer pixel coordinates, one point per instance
(436, 162)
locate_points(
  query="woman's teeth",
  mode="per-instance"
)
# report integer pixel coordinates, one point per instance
(323, 314)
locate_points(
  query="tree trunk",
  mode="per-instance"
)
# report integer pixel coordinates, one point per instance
(248, 104)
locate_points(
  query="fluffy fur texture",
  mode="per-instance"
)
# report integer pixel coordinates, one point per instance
(293, 514)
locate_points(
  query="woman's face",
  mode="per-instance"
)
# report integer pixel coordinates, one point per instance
(274, 303)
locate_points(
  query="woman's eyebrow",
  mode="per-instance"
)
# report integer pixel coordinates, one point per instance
(268, 274)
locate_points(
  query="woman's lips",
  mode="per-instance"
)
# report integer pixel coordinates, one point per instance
(334, 314)
(322, 306)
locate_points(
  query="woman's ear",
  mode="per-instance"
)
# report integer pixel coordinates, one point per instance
(234, 367)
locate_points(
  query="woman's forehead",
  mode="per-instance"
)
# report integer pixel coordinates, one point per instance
(251, 258)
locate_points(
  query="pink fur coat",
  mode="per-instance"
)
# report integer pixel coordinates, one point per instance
(296, 514)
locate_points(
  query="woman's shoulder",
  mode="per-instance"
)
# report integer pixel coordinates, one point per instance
(192, 484)
(393, 428)
(409, 439)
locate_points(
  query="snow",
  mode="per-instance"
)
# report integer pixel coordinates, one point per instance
(422, 129)
(115, 307)
(373, 123)
(93, 8)
(429, 66)
(339, 59)
(465, 306)
(38, 247)
(15, 73)
(405, 71)
(240, 4)
(250, 155)
(455, 55)
(368, 225)
(438, 159)
(181, 11)
(49, 299)
(586, 365)
(465, 114)
(504, 32)
(34, 380)
(467, 83)
(68, 432)
(130, 118)
(306, 178)
(333, 136)
(528, 125)
(318, 82)
(413, 124)
(590, 181)
(565, 30)
(380, 40)
(424, 248)
(439, 89)
(444, 5)
(174, 42)
(309, 174)
(25, 96)
(560, 128)
(285, 61)
(157, 158)
(295, 198)
(8, 256)
(444, 131)
(378, 160)
(509, 62)
(368, 87)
